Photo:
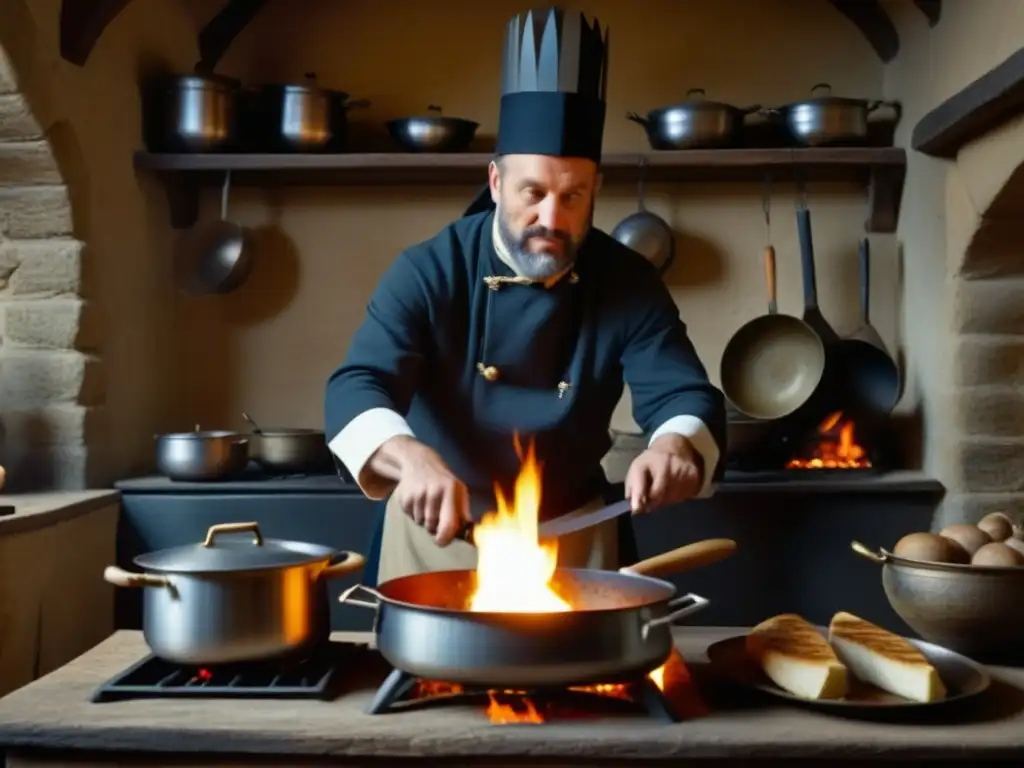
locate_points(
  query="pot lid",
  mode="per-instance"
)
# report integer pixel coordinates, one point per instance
(697, 99)
(233, 547)
(822, 94)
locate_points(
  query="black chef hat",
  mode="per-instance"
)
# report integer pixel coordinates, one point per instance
(554, 81)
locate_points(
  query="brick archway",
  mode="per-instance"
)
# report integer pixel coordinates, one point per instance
(983, 464)
(49, 387)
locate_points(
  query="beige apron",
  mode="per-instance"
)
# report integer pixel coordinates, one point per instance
(406, 548)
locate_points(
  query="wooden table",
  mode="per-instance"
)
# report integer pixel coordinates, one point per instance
(52, 722)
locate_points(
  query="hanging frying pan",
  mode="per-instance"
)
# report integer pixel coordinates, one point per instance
(774, 363)
(871, 375)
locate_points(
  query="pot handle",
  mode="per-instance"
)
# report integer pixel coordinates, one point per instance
(821, 87)
(346, 597)
(685, 558)
(253, 528)
(694, 603)
(638, 120)
(875, 557)
(895, 106)
(353, 562)
(122, 578)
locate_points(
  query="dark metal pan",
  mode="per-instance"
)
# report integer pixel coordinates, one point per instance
(871, 374)
(774, 363)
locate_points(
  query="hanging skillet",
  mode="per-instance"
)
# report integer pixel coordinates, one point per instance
(647, 233)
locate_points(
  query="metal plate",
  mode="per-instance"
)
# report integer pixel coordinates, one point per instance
(962, 677)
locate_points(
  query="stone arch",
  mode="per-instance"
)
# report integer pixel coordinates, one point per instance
(50, 390)
(984, 463)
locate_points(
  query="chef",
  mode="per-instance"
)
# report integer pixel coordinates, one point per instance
(521, 320)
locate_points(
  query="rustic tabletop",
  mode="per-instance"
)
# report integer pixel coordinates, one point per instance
(55, 712)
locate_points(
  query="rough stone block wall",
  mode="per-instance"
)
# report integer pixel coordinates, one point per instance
(986, 400)
(51, 386)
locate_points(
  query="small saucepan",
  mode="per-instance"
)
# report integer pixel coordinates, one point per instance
(694, 123)
(229, 599)
(290, 450)
(201, 456)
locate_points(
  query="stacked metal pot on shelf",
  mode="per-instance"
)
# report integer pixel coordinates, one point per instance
(821, 120)
(205, 112)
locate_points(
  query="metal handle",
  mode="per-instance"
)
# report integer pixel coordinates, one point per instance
(225, 191)
(253, 528)
(860, 549)
(803, 227)
(353, 562)
(637, 119)
(434, 108)
(695, 603)
(696, 92)
(821, 86)
(347, 599)
(865, 281)
(122, 578)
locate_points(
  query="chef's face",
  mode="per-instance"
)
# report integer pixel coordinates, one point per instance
(545, 207)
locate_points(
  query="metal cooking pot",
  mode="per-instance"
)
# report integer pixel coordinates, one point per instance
(201, 455)
(433, 133)
(971, 609)
(190, 113)
(694, 123)
(648, 234)
(619, 627)
(290, 450)
(829, 119)
(302, 117)
(230, 600)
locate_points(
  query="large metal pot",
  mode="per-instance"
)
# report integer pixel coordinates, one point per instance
(290, 450)
(694, 123)
(199, 455)
(230, 599)
(618, 630)
(971, 609)
(433, 133)
(190, 113)
(826, 119)
(302, 117)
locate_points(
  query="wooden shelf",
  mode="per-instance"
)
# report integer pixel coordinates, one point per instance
(880, 169)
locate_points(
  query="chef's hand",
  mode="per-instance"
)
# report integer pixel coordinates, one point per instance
(668, 472)
(427, 490)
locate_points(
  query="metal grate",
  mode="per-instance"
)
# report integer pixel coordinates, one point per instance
(313, 677)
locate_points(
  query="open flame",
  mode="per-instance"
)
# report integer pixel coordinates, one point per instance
(836, 447)
(514, 569)
(513, 575)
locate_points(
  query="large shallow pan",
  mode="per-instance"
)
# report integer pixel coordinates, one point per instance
(290, 450)
(774, 363)
(620, 627)
(230, 599)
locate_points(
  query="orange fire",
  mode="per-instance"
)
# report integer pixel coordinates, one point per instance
(513, 575)
(836, 447)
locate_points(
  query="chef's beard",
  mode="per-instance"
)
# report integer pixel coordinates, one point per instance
(538, 265)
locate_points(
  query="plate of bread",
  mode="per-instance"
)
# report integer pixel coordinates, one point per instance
(855, 664)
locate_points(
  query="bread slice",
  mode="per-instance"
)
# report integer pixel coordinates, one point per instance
(884, 659)
(795, 656)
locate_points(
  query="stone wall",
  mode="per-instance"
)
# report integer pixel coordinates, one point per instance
(51, 386)
(984, 460)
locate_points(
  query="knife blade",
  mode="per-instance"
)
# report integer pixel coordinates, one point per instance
(561, 526)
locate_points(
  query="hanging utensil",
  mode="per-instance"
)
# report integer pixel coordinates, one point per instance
(871, 375)
(647, 233)
(218, 258)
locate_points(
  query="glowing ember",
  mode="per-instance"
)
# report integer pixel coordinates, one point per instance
(514, 570)
(836, 447)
